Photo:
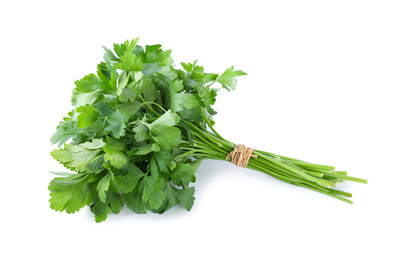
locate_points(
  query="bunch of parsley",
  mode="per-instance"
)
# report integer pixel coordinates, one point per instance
(139, 130)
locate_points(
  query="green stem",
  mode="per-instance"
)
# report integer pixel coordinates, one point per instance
(210, 125)
(318, 177)
(147, 104)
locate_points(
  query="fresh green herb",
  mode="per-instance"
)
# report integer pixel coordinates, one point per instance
(139, 130)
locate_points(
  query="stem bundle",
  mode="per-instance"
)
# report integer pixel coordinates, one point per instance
(317, 177)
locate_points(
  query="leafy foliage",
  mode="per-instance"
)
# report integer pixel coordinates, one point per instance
(129, 138)
(139, 131)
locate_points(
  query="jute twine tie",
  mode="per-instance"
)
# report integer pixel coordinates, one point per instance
(241, 155)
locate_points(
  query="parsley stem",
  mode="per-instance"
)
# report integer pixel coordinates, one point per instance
(210, 125)
(329, 193)
(349, 178)
(294, 170)
(148, 105)
(154, 103)
(318, 177)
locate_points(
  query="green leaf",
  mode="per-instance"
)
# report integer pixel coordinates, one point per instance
(95, 144)
(209, 98)
(183, 174)
(176, 86)
(169, 72)
(134, 199)
(87, 115)
(127, 95)
(170, 194)
(154, 54)
(169, 118)
(149, 92)
(88, 83)
(113, 81)
(145, 82)
(69, 193)
(109, 56)
(88, 90)
(163, 132)
(114, 152)
(228, 78)
(100, 210)
(78, 156)
(166, 136)
(115, 202)
(197, 74)
(194, 115)
(180, 101)
(162, 84)
(104, 109)
(116, 124)
(95, 166)
(153, 193)
(151, 68)
(87, 98)
(187, 67)
(184, 196)
(141, 130)
(130, 108)
(120, 49)
(127, 183)
(209, 77)
(64, 174)
(103, 186)
(146, 149)
(130, 61)
(123, 79)
(161, 162)
(104, 74)
(68, 130)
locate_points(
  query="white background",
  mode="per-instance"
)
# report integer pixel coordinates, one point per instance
(326, 83)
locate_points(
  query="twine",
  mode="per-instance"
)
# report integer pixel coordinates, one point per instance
(240, 156)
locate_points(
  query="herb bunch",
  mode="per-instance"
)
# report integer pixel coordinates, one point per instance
(139, 131)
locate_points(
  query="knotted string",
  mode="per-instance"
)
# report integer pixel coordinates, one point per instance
(241, 155)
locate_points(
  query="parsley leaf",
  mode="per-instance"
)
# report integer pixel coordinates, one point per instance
(129, 61)
(134, 199)
(184, 196)
(67, 130)
(153, 193)
(153, 54)
(87, 115)
(69, 193)
(100, 210)
(88, 90)
(183, 174)
(146, 149)
(228, 78)
(78, 156)
(127, 183)
(161, 162)
(116, 124)
(103, 186)
(114, 152)
(166, 136)
(169, 118)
